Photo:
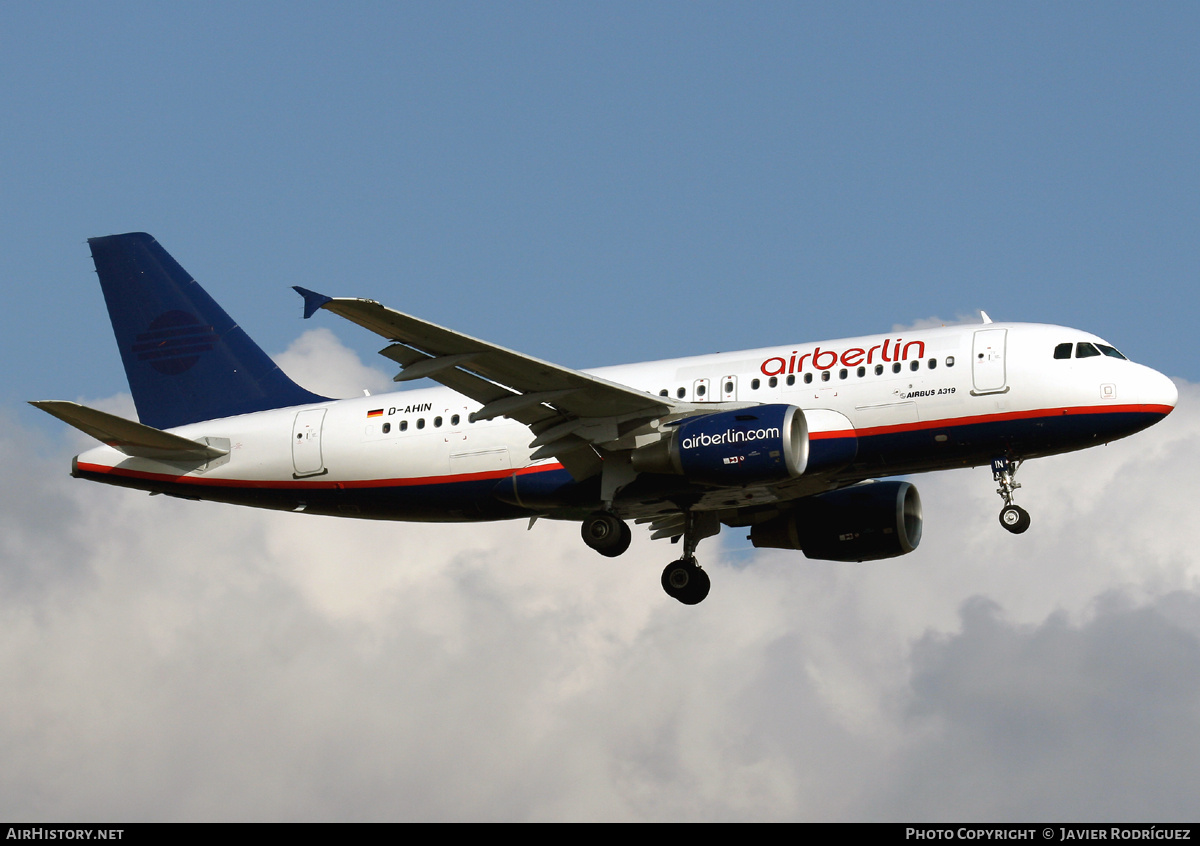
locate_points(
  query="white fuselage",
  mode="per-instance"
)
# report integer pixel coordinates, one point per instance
(915, 400)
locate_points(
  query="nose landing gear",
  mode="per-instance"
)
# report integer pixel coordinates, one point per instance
(1012, 516)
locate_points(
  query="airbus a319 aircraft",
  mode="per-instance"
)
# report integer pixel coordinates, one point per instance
(787, 441)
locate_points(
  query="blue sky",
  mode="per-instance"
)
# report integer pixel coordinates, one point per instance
(595, 184)
(610, 182)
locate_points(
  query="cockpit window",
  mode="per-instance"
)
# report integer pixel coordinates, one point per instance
(1063, 350)
(1085, 350)
(1111, 352)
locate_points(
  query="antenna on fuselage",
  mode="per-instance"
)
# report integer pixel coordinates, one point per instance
(983, 314)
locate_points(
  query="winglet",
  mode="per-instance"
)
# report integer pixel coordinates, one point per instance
(312, 300)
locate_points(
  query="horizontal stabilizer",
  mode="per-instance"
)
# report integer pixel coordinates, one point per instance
(130, 438)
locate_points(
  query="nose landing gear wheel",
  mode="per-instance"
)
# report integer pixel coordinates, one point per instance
(685, 581)
(1014, 518)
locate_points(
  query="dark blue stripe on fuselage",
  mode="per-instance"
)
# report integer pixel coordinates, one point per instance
(554, 492)
(920, 450)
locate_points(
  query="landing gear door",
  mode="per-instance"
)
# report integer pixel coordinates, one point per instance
(306, 443)
(988, 372)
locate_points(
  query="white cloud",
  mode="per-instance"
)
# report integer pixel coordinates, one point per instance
(319, 362)
(174, 660)
(934, 322)
(1082, 721)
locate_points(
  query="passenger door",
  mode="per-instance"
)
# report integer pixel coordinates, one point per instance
(988, 372)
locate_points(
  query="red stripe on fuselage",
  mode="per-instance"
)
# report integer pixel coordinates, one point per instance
(307, 484)
(954, 422)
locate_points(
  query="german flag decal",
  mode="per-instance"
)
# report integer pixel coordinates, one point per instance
(378, 412)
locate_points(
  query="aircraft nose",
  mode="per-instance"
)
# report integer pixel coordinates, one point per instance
(1158, 390)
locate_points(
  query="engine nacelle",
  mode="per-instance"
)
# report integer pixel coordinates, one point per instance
(764, 443)
(864, 522)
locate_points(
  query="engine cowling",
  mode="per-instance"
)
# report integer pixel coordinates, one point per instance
(764, 443)
(864, 522)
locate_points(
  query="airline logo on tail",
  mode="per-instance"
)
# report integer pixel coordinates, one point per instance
(174, 341)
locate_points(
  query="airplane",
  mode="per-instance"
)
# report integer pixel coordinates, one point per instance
(794, 443)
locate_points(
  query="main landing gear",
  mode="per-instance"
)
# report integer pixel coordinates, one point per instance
(683, 580)
(1012, 516)
(606, 533)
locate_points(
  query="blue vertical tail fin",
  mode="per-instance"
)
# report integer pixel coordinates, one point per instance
(185, 358)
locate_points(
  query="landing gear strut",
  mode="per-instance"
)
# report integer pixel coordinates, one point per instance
(683, 579)
(1012, 516)
(606, 533)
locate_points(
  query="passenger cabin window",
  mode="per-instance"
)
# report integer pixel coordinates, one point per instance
(663, 392)
(773, 382)
(403, 425)
(896, 367)
(754, 383)
(1063, 350)
(1085, 350)
(808, 378)
(681, 392)
(949, 361)
(420, 422)
(862, 371)
(932, 363)
(878, 369)
(791, 379)
(387, 427)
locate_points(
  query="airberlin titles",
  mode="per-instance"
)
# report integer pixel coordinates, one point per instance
(823, 359)
(729, 436)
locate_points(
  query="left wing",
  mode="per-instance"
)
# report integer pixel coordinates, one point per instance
(571, 413)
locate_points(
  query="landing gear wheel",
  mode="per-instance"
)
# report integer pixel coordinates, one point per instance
(1014, 518)
(685, 581)
(606, 533)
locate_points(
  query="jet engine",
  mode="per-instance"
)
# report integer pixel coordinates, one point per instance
(864, 522)
(764, 443)
(748, 446)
